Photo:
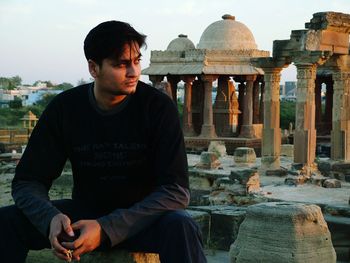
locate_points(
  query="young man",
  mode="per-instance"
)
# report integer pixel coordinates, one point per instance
(126, 148)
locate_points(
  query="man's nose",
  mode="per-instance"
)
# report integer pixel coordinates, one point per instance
(132, 69)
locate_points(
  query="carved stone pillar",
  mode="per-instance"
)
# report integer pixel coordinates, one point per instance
(261, 110)
(241, 94)
(187, 109)
(173, 80)
(305, 132)
(208, 129)
(329, 104)
(246, 129)
(340, 135)
(271, 141)
(318, 102)
(224, 113)
(256, 104)
(156, 79)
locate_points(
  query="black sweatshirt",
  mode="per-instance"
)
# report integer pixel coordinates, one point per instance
(129, 162)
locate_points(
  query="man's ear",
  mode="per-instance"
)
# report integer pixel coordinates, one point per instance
(93, 68)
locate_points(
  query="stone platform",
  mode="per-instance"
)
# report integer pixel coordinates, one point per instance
(200, 144)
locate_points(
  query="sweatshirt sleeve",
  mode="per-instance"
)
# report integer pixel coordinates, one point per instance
(124, 223)
(41, 163)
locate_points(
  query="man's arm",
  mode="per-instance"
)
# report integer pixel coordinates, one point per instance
(124, 223)
(41, 163)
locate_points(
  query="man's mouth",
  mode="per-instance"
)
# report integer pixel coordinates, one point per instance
(131, 83)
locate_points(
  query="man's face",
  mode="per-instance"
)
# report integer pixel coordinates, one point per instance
(120, 76)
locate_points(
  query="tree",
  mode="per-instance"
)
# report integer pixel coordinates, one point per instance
(287, 113)
(64, 86)
(16, 80)
(81, 82)
(16, 103)
(45, 99)
(10, 83)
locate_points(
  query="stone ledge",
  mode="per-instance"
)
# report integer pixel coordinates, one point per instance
(120, 256)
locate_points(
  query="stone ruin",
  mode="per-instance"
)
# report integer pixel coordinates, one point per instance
(283, 232)
(231, 195)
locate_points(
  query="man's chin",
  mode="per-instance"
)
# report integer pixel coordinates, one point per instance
(128, 91)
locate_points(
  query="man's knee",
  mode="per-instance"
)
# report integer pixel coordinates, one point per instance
(179, 221)
(7, 215)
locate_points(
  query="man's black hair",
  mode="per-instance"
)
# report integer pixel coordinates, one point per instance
(107, 40)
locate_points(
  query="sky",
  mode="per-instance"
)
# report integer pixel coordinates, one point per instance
(43, 39)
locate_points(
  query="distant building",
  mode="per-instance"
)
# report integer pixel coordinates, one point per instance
(282, 90)
(290, 87)
(27, 94)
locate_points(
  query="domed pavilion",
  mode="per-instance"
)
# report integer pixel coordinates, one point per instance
(223, 55)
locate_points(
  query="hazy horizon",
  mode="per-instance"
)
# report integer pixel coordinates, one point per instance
(43, 40)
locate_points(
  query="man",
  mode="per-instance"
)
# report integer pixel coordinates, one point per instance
(126, 148)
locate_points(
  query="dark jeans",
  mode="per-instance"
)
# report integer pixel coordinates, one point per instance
(175, 236)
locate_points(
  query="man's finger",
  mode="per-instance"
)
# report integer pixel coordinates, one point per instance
(77, 225)
(62, 256)
(75, 244)
(57, 246)
(67, 227)
(78, 252)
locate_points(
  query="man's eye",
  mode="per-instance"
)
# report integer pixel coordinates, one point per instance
(119, 65)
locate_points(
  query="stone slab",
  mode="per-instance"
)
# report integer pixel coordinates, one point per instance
(120, 256)
(224, 228)
(203, 221)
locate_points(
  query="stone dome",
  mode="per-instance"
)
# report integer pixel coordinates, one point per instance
(227, 34)
(181, 43)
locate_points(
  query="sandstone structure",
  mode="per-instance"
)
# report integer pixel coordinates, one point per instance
(29, 120)
(283, 232)
(218, 147)
(209, 160)
(321, 54)
(244, 155)
(222, 54)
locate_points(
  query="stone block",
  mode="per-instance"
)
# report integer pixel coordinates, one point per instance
(318, 180)
(283, 232)
(224, 228)
(340, 231)
(213, 208)
(347, 178)
(287, 150)
(249, 178)
(208, 160)
(324, 167)
(337, 210)
(217, 147)
(276, 172)
(252, 131)
(237, 189)
(244, 155)
(331, 183)
(223, 182)
(197, 196)
(296, 180)
(343, 167)
(221, 197)
(120, 256)
(203, 221)
(200, 183)
(242, 175)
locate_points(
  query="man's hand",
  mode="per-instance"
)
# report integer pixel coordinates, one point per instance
(60, 223)
(91, 236)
